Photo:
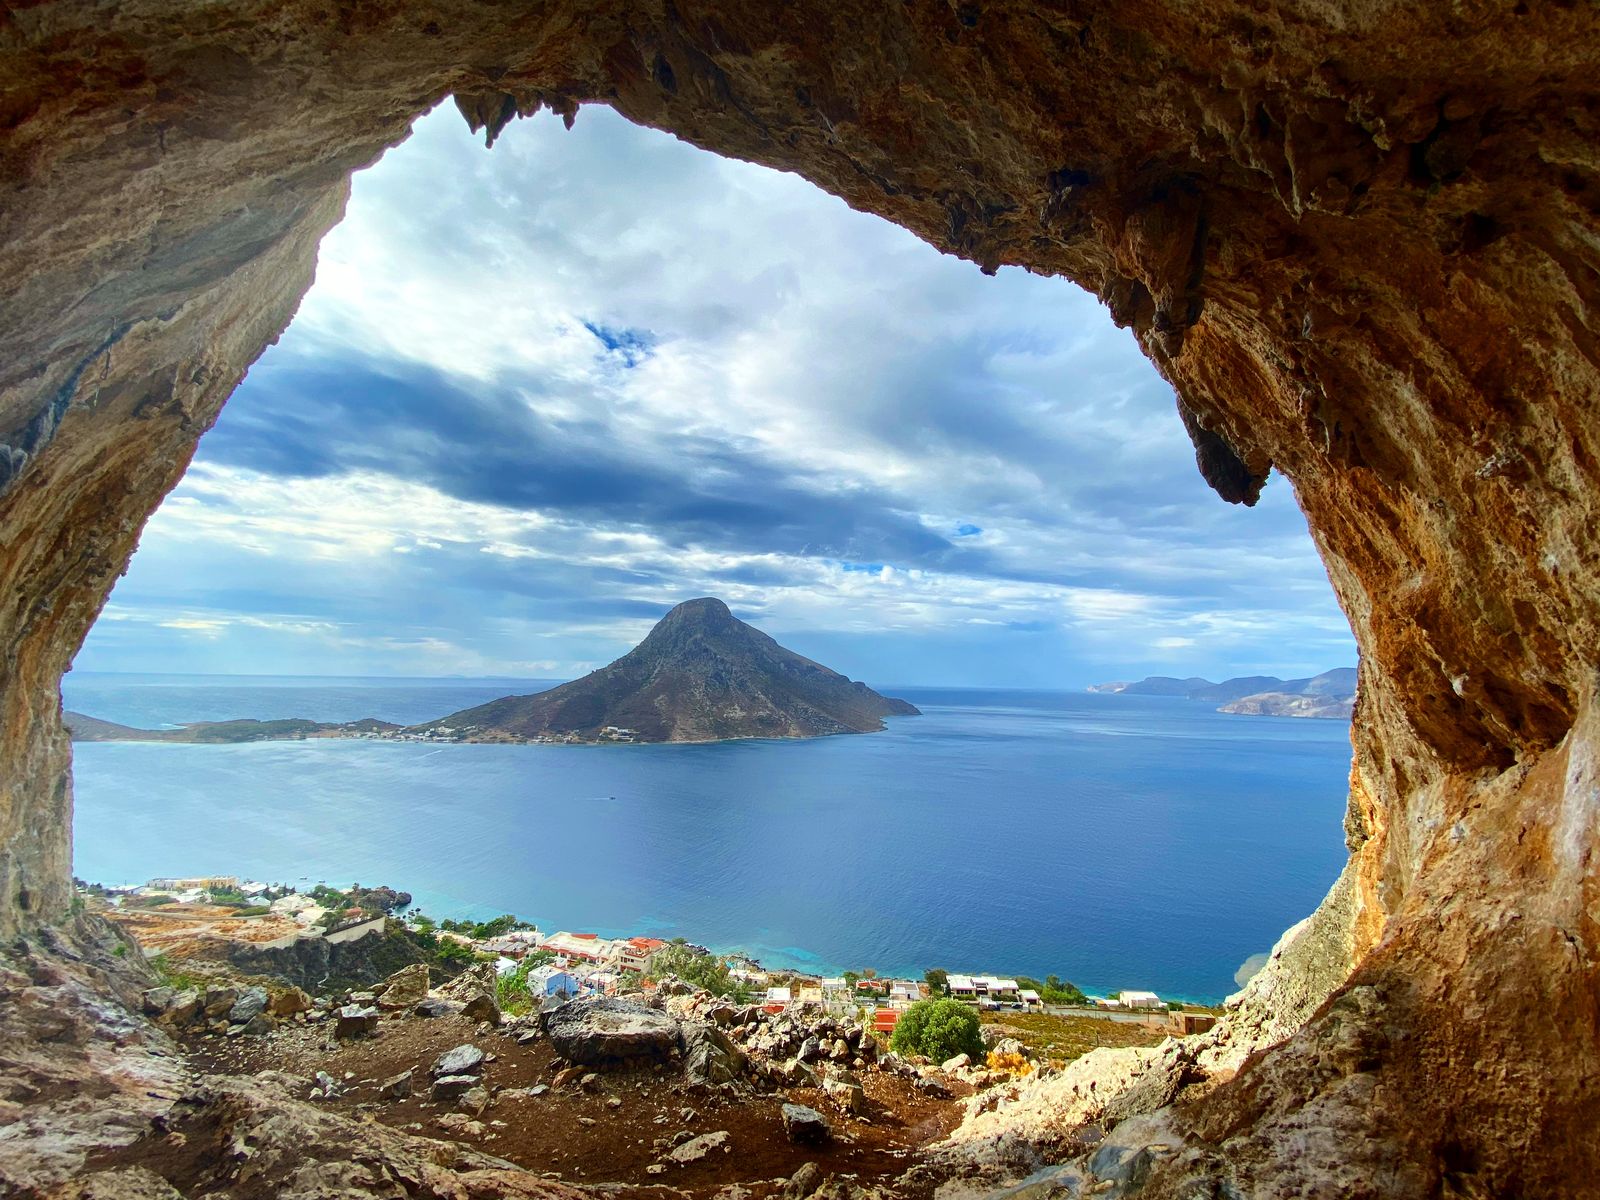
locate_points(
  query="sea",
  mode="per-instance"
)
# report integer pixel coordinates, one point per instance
(1115, 841)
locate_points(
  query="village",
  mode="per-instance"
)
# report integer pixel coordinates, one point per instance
(632, 1059)
(177, 912)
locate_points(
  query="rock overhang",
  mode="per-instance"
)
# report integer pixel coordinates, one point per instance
(1358, 241)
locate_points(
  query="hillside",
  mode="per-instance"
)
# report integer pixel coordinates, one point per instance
(91, 729)
(700, 675)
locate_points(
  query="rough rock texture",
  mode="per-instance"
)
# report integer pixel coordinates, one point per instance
(255, 1138)
(78, 1072)
(1360, 237)
(607, 1032)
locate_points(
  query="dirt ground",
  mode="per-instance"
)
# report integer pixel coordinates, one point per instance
(612, 1132)
(196, 928)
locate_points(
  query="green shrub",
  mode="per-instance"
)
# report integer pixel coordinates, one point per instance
(511, 990)
(938, 981)
(174, 978)
(938, 1029)
(254, 910)
(702, 970)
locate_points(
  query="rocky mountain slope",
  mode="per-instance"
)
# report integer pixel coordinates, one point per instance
(701, 675)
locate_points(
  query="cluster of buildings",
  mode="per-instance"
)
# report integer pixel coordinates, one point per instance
(434, 733)
(582, 962)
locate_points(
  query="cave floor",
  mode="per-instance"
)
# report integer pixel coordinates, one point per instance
(611, 1132)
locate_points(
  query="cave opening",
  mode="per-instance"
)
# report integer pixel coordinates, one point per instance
(537, 396)
(1359, 241)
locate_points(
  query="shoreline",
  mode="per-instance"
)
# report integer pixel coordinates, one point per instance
(786, 960)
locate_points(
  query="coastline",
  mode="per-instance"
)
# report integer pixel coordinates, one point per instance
(788, 960)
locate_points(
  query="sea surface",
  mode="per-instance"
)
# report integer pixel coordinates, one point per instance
(1116, 841)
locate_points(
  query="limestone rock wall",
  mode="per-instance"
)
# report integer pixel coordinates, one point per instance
(1361, 238)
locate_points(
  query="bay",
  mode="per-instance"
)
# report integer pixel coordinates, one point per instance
(1117, 841)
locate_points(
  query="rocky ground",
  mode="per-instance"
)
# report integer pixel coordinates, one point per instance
(117, 1085)
(678, 1092)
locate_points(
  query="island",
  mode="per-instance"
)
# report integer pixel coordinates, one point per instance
(701, 675)
(1330, 695)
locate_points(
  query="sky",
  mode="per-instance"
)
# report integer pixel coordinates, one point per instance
(539, 394)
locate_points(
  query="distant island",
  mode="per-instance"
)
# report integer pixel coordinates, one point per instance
(701, 675)
(93, 729)
(1330, 695)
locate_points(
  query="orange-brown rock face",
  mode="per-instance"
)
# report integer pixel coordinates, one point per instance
(1361, 239)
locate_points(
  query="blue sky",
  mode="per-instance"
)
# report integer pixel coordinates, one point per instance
(540, 394)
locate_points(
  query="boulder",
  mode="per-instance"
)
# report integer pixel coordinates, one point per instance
(158, 999)
(461, 1125)
(803, 1182)
(805, 1126)
(252, 1002)
(396, 1087)
(709, 1055)
(605, 1032)
(257, 1026)
(697, 1148)
(288, 1003)
(405, 988)
(436, 1006)
(845, 1090)
(482, 1007)
(184, 1009)
(474, 1100)
(956, 1063)
(465, 1059)
(219, 1001)
(449, 1087)
(477, 980)
(355, 1021)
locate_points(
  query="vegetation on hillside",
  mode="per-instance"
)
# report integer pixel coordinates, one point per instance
(1054, 990)
(938, 1029)
(1063, 1038)
(703, 970)
(513, 993)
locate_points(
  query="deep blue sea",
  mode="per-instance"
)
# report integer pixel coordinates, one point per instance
(1116, 841)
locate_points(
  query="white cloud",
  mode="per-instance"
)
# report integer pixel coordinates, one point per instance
(878, 397)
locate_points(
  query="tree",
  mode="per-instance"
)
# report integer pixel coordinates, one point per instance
(702, 970)
(851, 978)
(938, 1029)
(938, 981)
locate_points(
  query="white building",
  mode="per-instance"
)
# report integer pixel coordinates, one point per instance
(1139, 999)
(977, 988)
(779, 995)
(590, 947)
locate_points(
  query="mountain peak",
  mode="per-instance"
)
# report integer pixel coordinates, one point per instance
(700, 675)
(706, 610)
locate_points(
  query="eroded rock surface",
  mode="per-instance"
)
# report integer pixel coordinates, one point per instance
(1359, 239)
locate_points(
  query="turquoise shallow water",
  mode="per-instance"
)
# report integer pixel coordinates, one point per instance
(1116, 841)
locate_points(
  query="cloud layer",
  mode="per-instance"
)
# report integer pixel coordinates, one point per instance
(538, 395)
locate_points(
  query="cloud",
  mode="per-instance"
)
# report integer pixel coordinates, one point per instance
(540, 394)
